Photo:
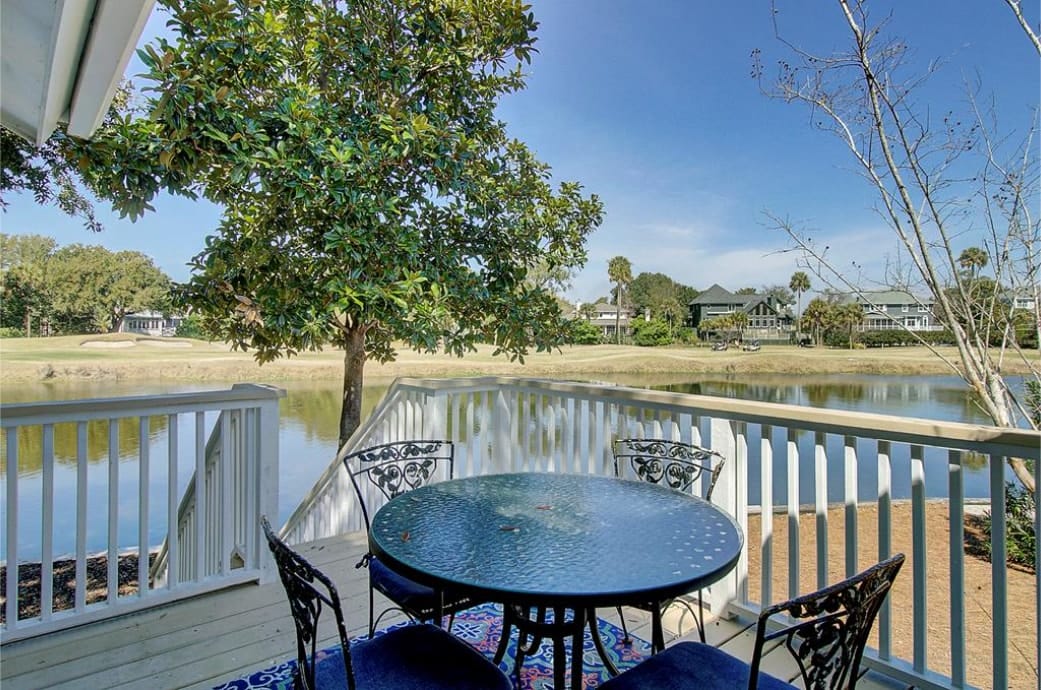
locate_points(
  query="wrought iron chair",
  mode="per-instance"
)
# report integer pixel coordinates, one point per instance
(826, 636)
(393, 469)
(677, 465)
(408, 657)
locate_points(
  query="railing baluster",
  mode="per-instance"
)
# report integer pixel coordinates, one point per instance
(820, 473)
(113, 510)
(201, 517)
(11, 515)
(173, 541)
(956, 509)
(81, 516)
(852, 530)
(143, 460)
(578, 462)
(918, 547)
(552, 429)
(601, 438)
(885, 548)
(583, 438)
(999, 571)
(740, 432)
(47, 552)
(794, 556)
(766, 514)
(224, 497)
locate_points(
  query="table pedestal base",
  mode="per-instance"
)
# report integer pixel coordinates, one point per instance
(531, 631)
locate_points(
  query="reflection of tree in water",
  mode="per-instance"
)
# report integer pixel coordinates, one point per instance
(30, 442)
(315, 407)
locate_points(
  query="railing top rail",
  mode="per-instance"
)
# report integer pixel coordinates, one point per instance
(56, 411)
(991, 439)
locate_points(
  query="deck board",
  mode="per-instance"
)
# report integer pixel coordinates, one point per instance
(201, 642)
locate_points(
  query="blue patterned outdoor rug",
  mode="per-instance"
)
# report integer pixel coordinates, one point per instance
(481, 627)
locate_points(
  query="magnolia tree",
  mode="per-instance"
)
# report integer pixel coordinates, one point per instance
(371, 198)
(942, 173)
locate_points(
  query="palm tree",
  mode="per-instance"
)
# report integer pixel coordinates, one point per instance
(620, 272)
(848, 317)
(799, 284)
(973, 260)
(739, 321)
(818, 313)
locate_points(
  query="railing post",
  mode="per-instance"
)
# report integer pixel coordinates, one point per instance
(724, 441)
(502, 423)
(267, 488)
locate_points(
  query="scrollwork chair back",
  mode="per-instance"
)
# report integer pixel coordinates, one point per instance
(398, 467)
(828, 639)
(673, 463)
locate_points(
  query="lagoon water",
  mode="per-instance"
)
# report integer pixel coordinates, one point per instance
(308, 441)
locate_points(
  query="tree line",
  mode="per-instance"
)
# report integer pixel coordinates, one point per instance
(50, 290)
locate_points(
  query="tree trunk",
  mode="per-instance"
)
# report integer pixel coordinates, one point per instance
(353, 370)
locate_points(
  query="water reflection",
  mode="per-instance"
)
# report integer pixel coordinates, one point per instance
(30, 442)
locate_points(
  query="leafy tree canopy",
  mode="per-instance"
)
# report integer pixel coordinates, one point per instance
(76, 288)
(370, 194)
(662, 295)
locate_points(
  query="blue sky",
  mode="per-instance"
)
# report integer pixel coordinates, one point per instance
(651, 106)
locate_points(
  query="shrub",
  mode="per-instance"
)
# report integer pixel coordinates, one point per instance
(583, 333)
(191, 327)
(11, 332)
(1020, 538)
(687, 336)
(651, 333)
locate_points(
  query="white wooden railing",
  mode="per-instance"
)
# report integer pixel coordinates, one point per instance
(506, 424)
(164, 441)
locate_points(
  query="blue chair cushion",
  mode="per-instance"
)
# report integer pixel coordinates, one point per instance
(419, 656)
(688, 665)
(405, 592)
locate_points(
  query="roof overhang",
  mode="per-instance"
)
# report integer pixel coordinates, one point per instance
(62, 61)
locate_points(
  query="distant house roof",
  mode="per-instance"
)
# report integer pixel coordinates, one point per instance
(717, 295)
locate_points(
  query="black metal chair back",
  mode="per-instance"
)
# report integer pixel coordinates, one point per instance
(398, 467)
(674, 463)
(833, 625)
(309, 592)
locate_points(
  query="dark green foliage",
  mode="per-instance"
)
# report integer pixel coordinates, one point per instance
(1033, 400)
(191, 327)
(899, 337)
(662, 296)
(584, 333)
(1020, 537)
(651, 333)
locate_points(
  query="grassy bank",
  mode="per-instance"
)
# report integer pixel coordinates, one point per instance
(129, 357)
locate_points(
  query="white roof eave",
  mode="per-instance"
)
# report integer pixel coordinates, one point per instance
(62, 61)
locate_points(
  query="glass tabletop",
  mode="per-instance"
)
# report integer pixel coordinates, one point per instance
(545, 538)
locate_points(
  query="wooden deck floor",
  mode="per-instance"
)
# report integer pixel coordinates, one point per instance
(204, 641)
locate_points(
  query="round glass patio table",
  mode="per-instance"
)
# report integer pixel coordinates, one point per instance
(560, 541)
